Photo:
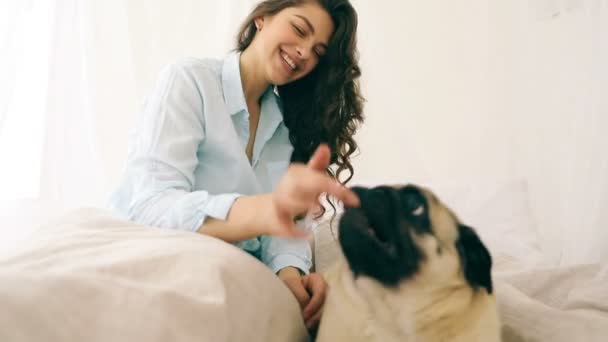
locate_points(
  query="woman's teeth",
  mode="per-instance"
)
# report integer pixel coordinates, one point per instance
(289, 61)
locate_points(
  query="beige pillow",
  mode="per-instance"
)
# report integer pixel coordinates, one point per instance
(91, 277)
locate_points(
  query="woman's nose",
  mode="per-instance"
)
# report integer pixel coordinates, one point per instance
(303, 52)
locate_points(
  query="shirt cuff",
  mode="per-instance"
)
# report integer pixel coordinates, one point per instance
(278, 253)
(285, 260)
(217, 207)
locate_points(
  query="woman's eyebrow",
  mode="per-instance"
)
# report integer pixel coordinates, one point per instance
(307, 22)
(312, 29)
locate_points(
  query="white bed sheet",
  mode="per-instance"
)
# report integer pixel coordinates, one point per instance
(554, 305)
(91, 277)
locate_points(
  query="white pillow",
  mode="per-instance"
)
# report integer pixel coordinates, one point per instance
(500, 213)
(501, 207)
(90, 277)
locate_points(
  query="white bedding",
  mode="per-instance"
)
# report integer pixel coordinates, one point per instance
(90, 277)
(560, 304)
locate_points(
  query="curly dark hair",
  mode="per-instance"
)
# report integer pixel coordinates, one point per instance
(326, 105)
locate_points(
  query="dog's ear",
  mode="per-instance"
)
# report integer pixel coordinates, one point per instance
(475, 258)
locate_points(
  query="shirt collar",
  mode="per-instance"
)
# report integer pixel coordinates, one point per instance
(232, 86)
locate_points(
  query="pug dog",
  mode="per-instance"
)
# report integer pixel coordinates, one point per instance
(409, 271)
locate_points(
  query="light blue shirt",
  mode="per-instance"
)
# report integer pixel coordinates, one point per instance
(187, 157)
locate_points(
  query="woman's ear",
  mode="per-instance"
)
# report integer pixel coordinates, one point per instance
(259, 22)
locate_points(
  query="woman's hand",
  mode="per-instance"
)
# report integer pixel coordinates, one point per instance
(299, 190)
(273, 213)
(310, 291)
(317, 287)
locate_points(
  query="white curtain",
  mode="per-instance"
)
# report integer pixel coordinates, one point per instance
(24, 65)
(74, 73)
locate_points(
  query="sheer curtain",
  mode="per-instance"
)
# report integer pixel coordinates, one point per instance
(24, 68)
(25, 44)
(74, 73)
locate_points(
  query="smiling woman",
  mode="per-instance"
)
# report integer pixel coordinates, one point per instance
(316, 101)
(212, 148)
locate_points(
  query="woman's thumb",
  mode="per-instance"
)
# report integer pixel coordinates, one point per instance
(320, 159)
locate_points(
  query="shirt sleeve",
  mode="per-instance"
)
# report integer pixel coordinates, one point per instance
(157, 187)
(278, 253)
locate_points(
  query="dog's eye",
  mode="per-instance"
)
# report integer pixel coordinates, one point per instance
(413, 201)
(419, 211)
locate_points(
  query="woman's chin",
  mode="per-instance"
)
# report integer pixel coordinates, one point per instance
(279, 80)
(281, 76)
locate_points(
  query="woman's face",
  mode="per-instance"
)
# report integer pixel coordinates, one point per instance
(291, 42)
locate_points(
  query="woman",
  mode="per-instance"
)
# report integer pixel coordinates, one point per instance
(212, 149)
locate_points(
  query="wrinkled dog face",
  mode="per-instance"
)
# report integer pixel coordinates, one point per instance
(405, 234)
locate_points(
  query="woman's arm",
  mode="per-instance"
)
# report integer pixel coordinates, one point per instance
(248, 217)
(157, 188)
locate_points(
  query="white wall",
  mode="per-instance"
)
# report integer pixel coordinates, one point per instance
(475, 90)
(425, 67)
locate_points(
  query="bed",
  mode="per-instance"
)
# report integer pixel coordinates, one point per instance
(88, 276)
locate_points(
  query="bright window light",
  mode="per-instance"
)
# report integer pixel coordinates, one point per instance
(26, 45)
